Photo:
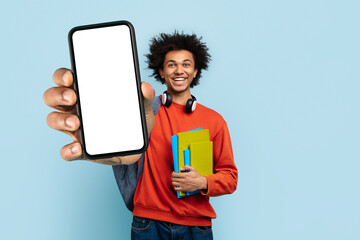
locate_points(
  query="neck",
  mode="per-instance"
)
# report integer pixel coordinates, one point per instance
(180, 97)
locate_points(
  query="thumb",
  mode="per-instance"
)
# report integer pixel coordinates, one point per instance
(148, 95)
(186, 168)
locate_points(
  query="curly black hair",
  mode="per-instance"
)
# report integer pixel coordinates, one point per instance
(164, 43)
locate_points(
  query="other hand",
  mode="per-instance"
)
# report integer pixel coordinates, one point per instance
(188, 180)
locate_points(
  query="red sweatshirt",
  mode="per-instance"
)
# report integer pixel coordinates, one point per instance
(155, 197)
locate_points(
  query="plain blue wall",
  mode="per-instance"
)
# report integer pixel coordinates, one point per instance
(284, 75)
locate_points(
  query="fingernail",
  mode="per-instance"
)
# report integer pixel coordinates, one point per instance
(70, 121)
(74, 149)
(67, 95)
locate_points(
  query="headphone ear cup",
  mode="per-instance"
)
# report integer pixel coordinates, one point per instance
(166, 99)
(163, 99)
(190, 105)
(193, 106)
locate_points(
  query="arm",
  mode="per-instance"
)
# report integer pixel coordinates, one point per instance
(224, 179)
(63, 98)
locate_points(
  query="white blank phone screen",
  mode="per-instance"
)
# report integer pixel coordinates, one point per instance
(107, 90)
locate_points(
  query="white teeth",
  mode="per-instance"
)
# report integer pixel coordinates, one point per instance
(179, 79)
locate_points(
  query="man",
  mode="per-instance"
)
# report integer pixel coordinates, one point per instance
(176, 60)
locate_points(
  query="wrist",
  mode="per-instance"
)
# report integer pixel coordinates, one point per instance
(150, 119)
(205, 183)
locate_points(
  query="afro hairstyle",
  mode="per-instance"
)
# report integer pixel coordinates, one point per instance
(164, 43)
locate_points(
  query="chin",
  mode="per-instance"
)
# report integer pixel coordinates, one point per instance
(178, 89)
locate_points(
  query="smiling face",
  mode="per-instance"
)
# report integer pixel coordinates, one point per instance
(178, 71)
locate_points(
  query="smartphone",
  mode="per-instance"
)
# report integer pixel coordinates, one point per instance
(107, 83)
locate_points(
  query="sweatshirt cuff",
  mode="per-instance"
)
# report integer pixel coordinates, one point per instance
(210, 189)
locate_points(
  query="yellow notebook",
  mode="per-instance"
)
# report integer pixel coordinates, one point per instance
(184, 141)
(201, 155)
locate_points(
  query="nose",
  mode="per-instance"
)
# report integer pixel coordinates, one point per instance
(179, 69)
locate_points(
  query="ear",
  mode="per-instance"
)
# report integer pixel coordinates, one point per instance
(161, 72)
(195, 72)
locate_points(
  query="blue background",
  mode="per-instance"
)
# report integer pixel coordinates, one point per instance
(284, 75)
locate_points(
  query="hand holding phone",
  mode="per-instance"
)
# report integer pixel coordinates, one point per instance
(63, 98)
(107, 82)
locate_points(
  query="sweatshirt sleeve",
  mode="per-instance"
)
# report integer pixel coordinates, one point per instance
(224, 179)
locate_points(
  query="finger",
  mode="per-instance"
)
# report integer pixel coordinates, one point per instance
(71, 151)
(63, 121)
(63, 77)
(148, 94)
(178, 188)
(61, 98)
(183, 169)
(187, 168)
(176, 183)
(175, 175)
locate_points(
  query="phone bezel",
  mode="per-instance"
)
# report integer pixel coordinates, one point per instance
(138, 86)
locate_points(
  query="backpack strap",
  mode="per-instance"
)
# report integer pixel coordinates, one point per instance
(127, 176)
(156, 104)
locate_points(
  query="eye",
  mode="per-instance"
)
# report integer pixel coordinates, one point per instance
(186, 64)
(171, 65)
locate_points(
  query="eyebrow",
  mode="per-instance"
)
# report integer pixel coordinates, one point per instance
(185, 60)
